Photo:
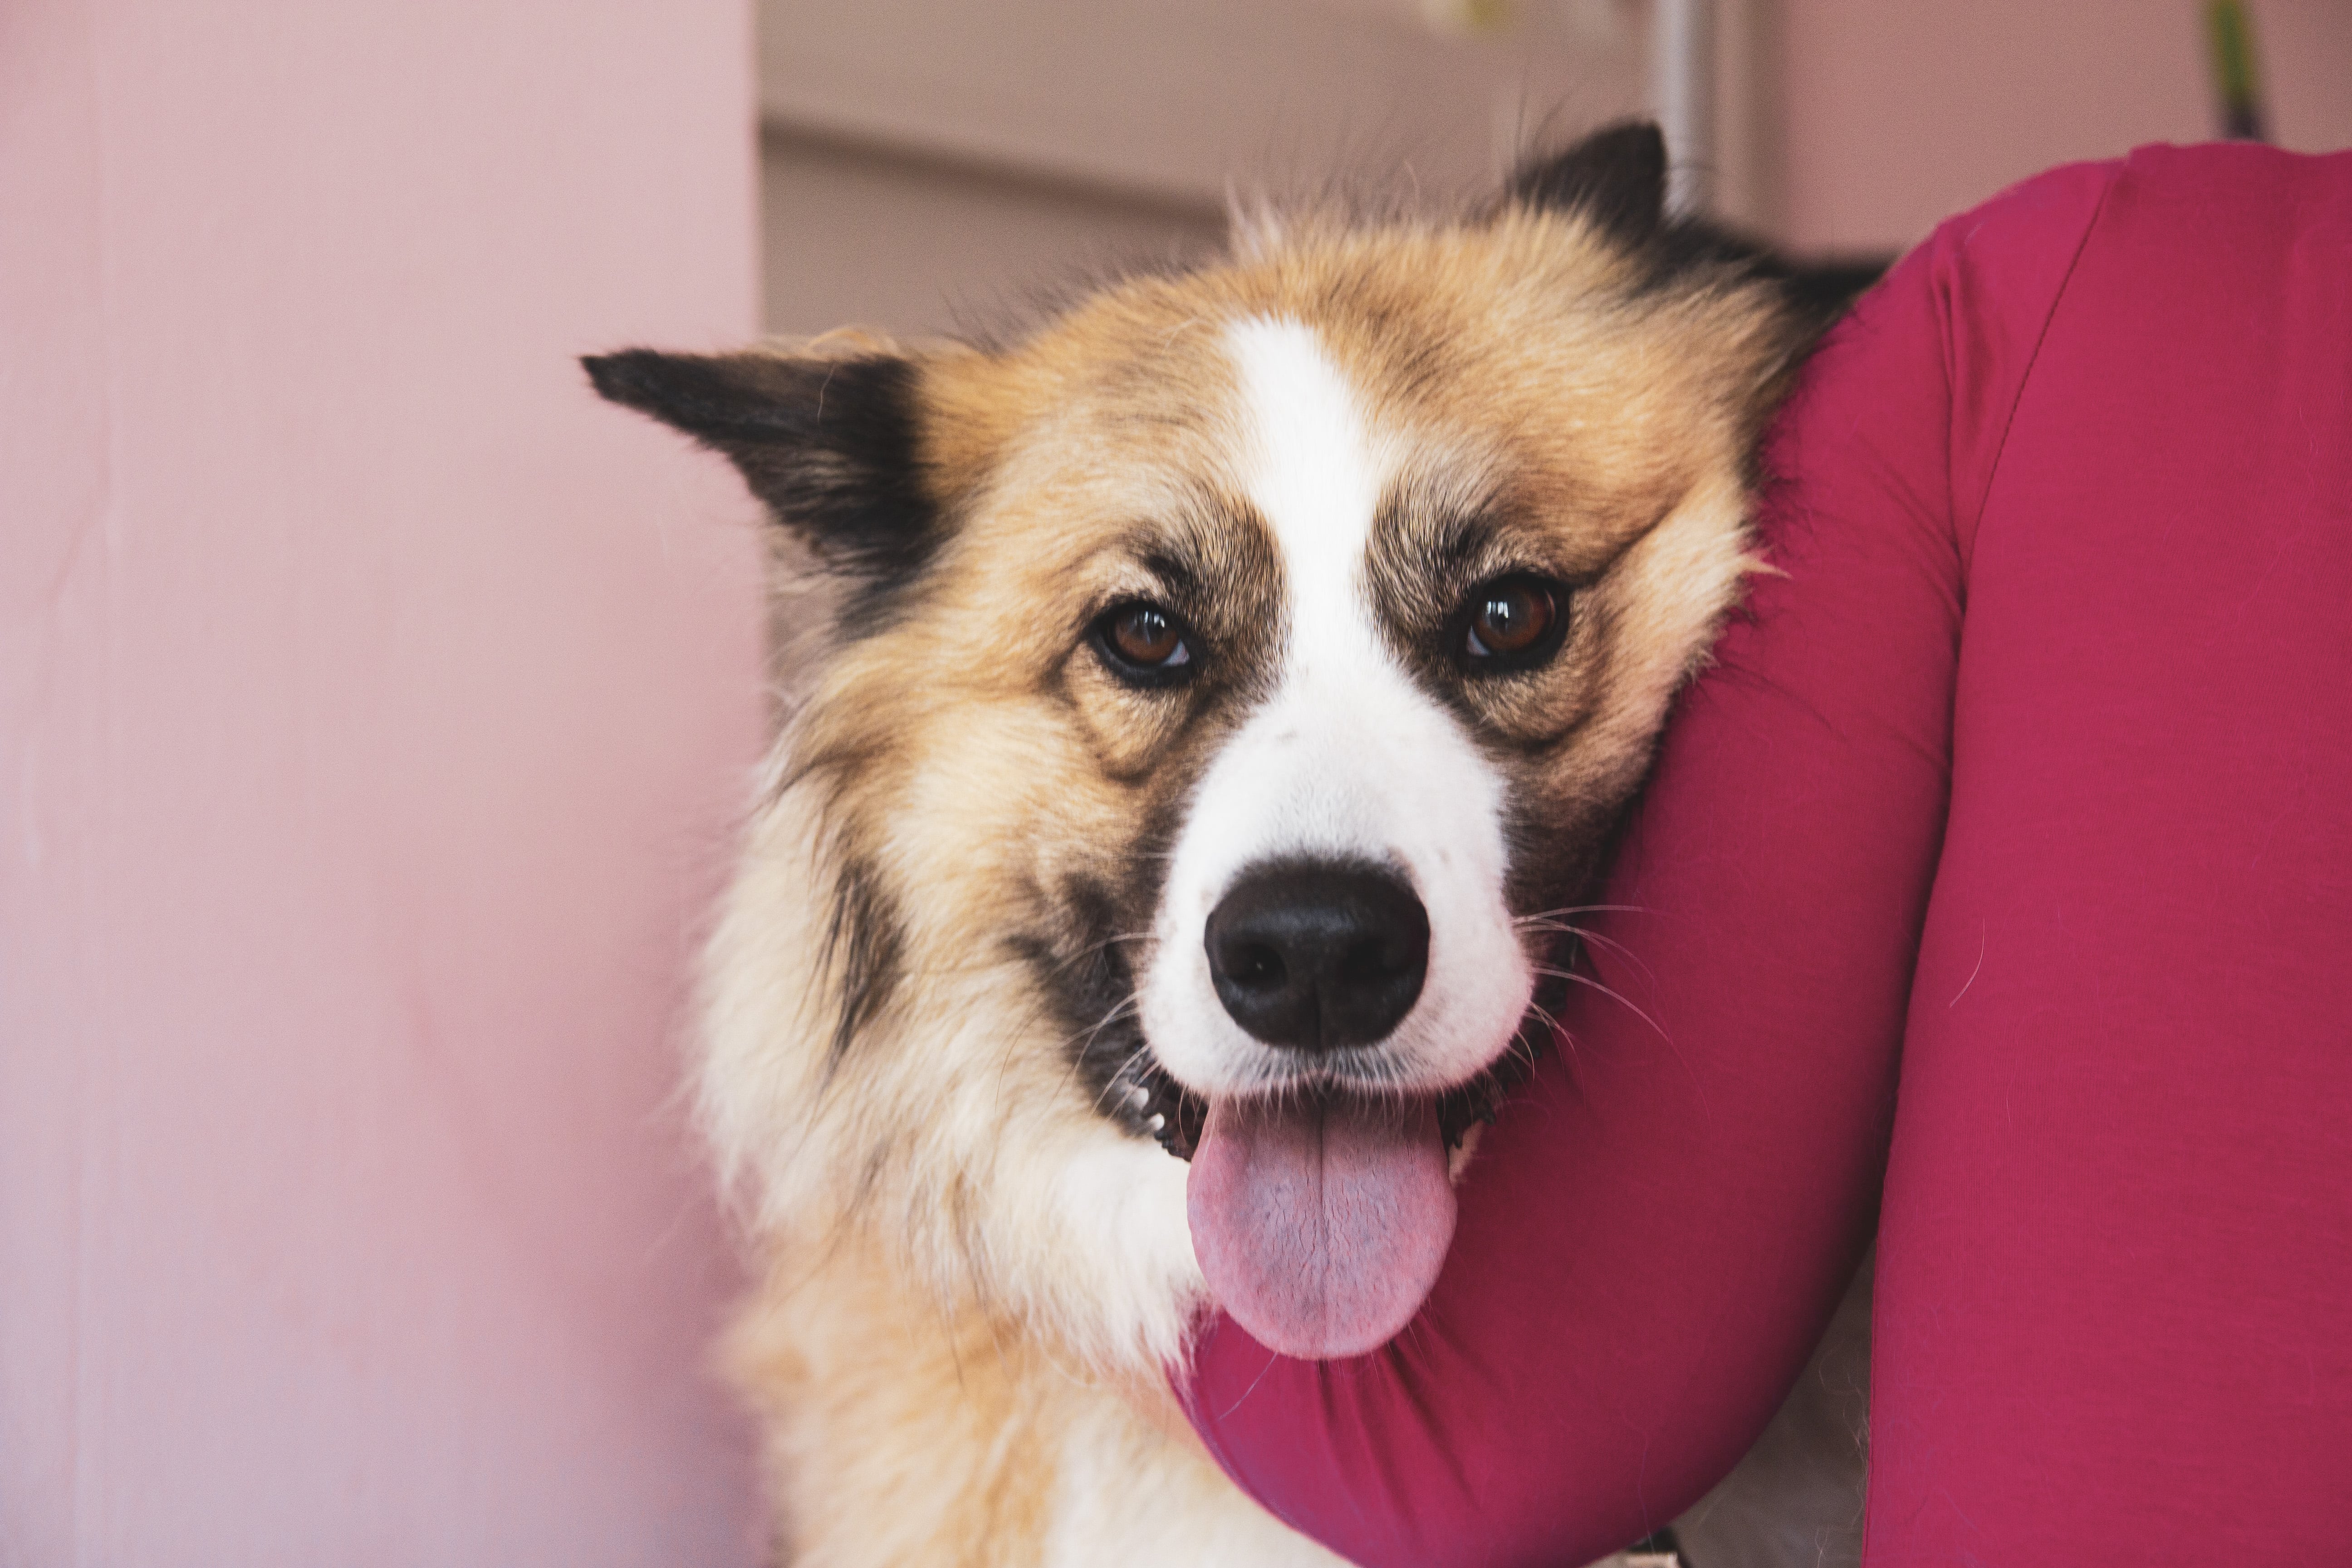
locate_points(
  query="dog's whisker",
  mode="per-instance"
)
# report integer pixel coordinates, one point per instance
(1595, 938)
(1125, 1010)
(1581, 910)
(1613, 994)
(1076, 1045)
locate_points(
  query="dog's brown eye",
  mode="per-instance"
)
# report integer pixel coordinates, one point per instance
(1146, 635)
(1513, 623)
(1144, 643)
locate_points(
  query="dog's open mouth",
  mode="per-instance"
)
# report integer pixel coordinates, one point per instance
(1154, 1103)
(1321, 1216)
(1320, 1212)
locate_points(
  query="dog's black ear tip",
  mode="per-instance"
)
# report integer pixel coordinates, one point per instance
(1615, 176)
(626, 377)
(715, 398)
(1645, 143)
(1644, 140)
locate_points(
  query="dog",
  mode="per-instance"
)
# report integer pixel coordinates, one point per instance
(1218, 693)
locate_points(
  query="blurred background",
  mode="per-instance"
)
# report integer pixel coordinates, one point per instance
(376, 707)
(924, 165)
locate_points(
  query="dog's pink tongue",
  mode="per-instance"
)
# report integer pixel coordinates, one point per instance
(1321, 1227)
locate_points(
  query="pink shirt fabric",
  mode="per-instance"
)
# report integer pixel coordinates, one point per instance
(1993, 894)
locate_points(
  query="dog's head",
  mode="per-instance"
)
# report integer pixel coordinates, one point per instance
(1230, 685)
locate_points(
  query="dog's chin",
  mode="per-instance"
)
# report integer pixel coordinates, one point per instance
(1322, 1207)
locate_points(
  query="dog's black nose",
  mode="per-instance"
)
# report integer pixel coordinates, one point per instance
(1311, 955)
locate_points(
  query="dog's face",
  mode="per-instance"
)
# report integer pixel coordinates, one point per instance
(1232, 684)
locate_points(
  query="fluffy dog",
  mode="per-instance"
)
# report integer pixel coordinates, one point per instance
(1225, 689)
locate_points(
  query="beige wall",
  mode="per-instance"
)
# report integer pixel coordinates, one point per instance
(865, 236)
(1898, 115)
(932, 166)
(928, 163)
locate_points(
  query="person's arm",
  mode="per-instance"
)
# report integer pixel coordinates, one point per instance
(1653, 1234)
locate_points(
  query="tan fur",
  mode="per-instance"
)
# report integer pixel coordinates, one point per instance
(973, 1279)
(900, 1432)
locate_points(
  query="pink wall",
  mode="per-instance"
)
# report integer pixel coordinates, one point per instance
(1900, 115)
(372, 701)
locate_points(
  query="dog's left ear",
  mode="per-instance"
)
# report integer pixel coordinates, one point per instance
(832, 445)
(1616, 178)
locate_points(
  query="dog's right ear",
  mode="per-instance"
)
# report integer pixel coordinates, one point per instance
(831, 445)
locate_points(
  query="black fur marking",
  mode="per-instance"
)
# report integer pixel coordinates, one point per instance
(862, 950)
(831, 445)
(1181, 579)
(1616, 177)
(1084, 972)
(1822, 292)
(1092, 992)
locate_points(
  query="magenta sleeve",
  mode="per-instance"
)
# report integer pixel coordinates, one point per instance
(1655, 1232)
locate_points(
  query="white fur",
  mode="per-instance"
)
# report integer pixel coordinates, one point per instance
(1348, 760)
(1122, 1200)
(1119, 1502)
(1085, 1226)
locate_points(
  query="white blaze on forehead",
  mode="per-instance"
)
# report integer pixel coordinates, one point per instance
(1349, 760)
(1313, 475)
